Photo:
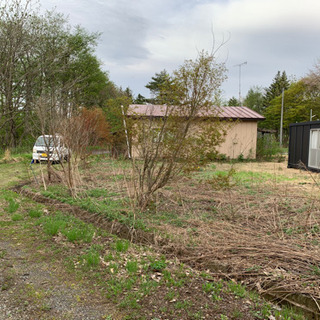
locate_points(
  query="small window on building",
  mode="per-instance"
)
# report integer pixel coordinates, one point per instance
(314, 149)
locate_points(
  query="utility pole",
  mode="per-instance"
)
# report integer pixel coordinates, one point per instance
(311, 115)
(240, 65)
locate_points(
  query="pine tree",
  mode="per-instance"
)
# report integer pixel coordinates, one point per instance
(279, 83)
(158, 81)
(233, 102)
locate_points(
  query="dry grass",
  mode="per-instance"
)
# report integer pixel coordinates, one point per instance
(265, 234)
(264, 230)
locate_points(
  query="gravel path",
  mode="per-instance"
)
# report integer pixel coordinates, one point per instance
(40, 290)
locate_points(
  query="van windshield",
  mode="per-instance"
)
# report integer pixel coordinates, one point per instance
(43, 141)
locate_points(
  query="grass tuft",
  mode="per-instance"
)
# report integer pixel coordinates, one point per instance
(17, 217)
(13, 206)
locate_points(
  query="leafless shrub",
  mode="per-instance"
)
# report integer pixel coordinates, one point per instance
(70, 137)
(178, 140)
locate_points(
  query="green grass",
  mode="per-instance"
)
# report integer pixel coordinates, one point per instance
(72, 228)
(288, 313)
(233, 177)
(111, 205)
(132, 266)
(52, 225)
(246, 177)
(17, 217)
(13, 173)
(13, 206)
(77, 234)
(158, 265)
(237, 289)
(121, 245)
(97, 193)
(91, 259)
(35, 213)
(214, 289)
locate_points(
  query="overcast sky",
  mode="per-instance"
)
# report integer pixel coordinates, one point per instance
(142, 37)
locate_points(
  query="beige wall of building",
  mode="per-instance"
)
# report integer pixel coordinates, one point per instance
(241, 138)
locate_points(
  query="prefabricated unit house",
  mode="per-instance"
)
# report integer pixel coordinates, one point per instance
(304, 145)
(241, 136)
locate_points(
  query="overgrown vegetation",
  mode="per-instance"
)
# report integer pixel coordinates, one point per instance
(133, 277)
(268, 148)
(255, 228)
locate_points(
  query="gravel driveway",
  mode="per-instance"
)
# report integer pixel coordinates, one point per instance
(42, 290)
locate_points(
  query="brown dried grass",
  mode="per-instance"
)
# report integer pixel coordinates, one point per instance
(269, 239)
(266, 235)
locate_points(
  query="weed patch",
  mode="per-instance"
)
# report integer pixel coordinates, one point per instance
(91, 259)
(121, 246)
(13, 205)
(72, 228)
(35, 213)
(17, 217)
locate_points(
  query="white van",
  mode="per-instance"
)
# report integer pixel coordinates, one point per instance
(49, 147)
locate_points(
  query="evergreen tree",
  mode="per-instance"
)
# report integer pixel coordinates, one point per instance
(158, 82)
(140, 99)
(233, 102)
(279, 83)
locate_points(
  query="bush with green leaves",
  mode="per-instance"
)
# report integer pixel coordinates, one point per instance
(158, 265)
(268, 147)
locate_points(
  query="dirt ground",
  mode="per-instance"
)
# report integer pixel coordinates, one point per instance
(33, 286)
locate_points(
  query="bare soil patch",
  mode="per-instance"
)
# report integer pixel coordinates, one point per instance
(35, 286)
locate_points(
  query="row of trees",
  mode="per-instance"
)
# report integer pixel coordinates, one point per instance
(43, 61)
(259, 98)
(300, 97)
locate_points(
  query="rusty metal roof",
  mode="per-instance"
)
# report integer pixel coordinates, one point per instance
(241, 113)
(153, 110)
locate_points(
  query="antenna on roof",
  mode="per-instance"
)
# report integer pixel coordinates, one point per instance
(240, 65)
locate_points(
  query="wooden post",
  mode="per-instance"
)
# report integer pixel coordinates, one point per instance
(126, 131)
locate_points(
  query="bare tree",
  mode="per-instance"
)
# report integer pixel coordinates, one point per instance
(188, 129)
(69, 138)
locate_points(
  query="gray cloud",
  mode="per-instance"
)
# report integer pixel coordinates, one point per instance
(140, 38)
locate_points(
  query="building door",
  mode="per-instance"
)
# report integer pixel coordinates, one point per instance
(314, 149)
